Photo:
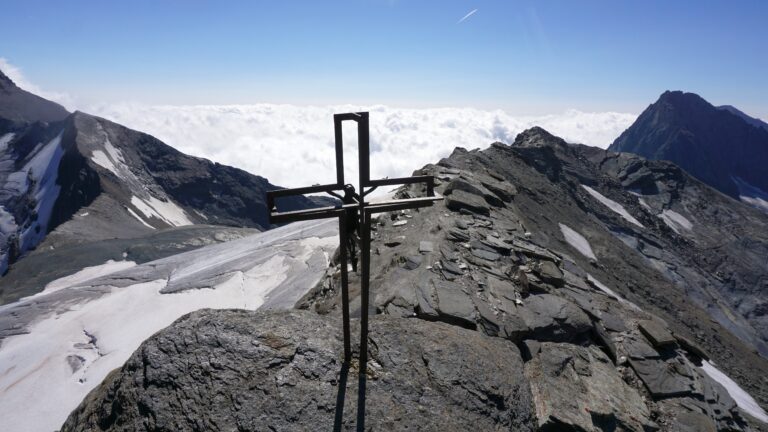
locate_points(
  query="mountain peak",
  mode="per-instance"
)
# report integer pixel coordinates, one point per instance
(713, 144)
(537, 137)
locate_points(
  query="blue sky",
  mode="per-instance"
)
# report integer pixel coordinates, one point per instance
(526, 57)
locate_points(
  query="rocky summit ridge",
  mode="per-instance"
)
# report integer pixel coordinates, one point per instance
(557, 287)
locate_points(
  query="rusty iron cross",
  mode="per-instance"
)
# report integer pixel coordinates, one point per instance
(354, 211)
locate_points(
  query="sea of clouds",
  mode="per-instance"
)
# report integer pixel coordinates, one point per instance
(293, 145)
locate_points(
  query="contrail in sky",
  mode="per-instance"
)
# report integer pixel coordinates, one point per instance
(472, 12)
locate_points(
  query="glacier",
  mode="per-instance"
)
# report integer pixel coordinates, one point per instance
(65, 341)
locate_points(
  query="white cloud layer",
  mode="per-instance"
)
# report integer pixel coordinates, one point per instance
(293, 145)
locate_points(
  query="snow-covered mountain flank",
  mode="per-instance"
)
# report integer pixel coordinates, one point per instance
(74, 178)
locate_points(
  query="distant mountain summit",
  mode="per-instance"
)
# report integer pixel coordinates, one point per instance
(721, 146)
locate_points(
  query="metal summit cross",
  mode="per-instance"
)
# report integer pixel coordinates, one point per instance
(354, 212)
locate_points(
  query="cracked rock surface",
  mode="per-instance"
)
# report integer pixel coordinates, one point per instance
(239, 370)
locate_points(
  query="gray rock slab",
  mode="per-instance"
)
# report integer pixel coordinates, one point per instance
(454, 305)
(577, 388)
(664, 378)
(237, 370)
(552, 318)
(461, 200)
(657, 333)
(550, 273)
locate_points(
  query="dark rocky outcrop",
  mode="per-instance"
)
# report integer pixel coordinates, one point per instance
(237, 370)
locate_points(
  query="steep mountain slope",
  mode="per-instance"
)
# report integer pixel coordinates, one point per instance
(608, 275)
(20, 107)
(716, 145)
(82, 179)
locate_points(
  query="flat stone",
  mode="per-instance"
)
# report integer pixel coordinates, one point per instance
(412, 262)
(691, 421)
(449, 253)
(474, 188)
(637, 348)
(497, 244)
(552, 318)
(502, 289)
(550, 273)
(426, 304)
(486, 255)
(458, 235)
(505, 191)
(394, 241)
(425, 246)
(451, 267)
(663, 378)
(657, 333)
(454, 306)
(489, 322)
(400, 222)
(461, 200)
(613, 322)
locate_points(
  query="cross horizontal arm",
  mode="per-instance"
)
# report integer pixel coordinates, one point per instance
(386, 206)
(429, 180)
(310, 214)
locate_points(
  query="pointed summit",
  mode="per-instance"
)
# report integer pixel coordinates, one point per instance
(715, 145)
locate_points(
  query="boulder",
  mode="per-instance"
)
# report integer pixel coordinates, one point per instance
(664, 377)
(461, 200)
(657, 333)
(550, 273)
(243, 370)
(577, 388)
(454, 305)
(552, 318)
(474, 188)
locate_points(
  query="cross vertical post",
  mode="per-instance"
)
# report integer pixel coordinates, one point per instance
(354, 214)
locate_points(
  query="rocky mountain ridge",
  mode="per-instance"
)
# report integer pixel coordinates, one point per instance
(596, 284)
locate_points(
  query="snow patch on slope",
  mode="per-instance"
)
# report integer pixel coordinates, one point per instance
(133, 213)
(4, 140)
(41, 172)
(602, 287)
(578, 241)
(166, 211)
(613, 205)
(752, 195)
(676, 221)
(739, 395)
